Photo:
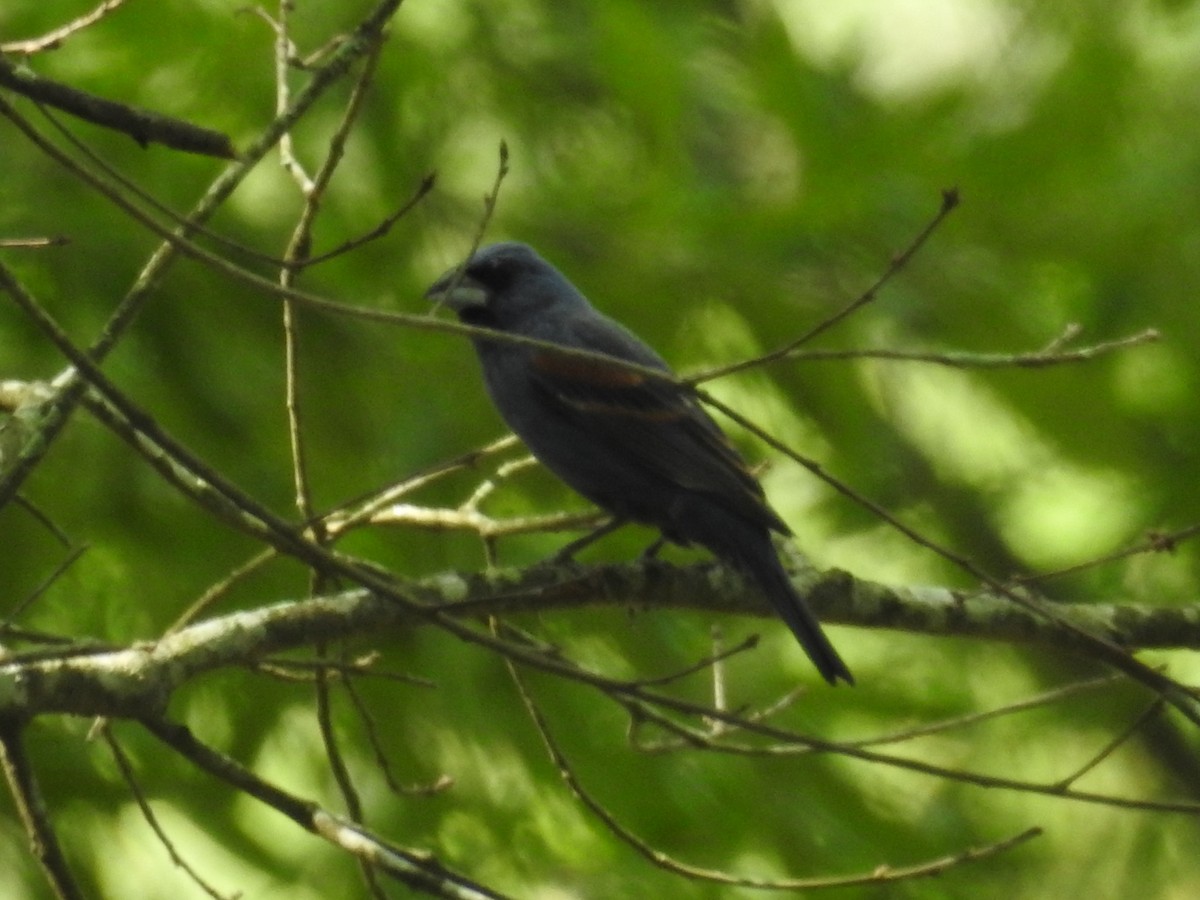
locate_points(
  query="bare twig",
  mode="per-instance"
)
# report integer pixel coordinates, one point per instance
(1053, 355)
(215, 592)
(489, 209)
(298, 250)
(652, 708)
(1154, 542)
(303, 670)
(72, 388)
(361, 509)
(52, 40)
(1184, 699)
(143, 125)
(37, 243)
(47, 583)
(716, 734)
(116, 179)
(285, 52)
(178, 242)
(950, 200)
(126, 770)
(382, 228)
(958, 722)
(34, 510)
(410, 515)
(31, 808)
(441, 783)
(1153, 709)
(341, 772)
(712, 662)
(880, 875)
(707, 741)
(417, 869)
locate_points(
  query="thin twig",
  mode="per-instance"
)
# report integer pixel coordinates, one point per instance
(382, 228)
(35, 243)
(648, 708)
(950, 200)
(52, 40)
(706, 741)
(34, 510)
(1038, 359)
(417, 869)
(145, 126)
(341, 772)
(133, 189)
(177, 242)
(712, 661)
(363, 667)
(882, 874)
(1154, 542)
(156, 268)
(126, 770)
(954, 723)
(441, 783)
(1182, 698)
(489, 209)
(1153, 709)
(362, 508)
(219, 590)
(284, 53)
(715, 736)
(47, 583)
(31, 808)
(298, 251)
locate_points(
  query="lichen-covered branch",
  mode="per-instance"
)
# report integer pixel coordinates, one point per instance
(137, 681)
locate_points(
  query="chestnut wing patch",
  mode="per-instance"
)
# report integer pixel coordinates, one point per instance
(654, 425)
(592, 386)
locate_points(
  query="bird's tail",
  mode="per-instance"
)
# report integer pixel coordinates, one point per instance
(759, 562)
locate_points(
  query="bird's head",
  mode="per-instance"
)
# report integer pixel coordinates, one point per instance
(503, 286)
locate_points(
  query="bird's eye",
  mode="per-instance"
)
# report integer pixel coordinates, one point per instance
(495, 273)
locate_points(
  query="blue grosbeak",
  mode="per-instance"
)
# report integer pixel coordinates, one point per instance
(637, 446)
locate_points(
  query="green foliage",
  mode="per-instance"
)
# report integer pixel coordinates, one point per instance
(721, 177)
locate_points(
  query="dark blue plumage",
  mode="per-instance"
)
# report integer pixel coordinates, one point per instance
(637, 446)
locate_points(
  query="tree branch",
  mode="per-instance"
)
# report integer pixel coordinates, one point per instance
(417, 869)
(137, 681)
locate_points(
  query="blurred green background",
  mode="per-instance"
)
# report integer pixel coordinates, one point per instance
(720, 176)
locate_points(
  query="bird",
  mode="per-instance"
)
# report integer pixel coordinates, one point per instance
(638, 446)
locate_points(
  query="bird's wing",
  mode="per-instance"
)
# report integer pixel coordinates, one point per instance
(648, 422)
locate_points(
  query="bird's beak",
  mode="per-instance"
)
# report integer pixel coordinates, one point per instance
(457, 290)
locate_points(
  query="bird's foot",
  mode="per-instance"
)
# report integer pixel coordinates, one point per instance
(652, 551)
(567, 553)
